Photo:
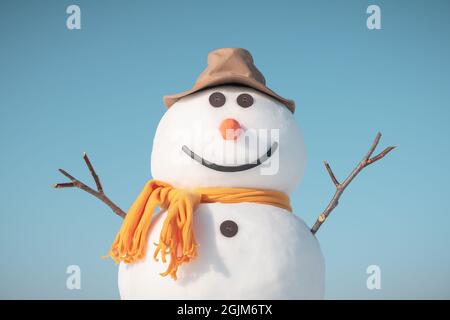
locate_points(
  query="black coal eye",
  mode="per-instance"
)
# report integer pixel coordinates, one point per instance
(245, 100)
(217, 99)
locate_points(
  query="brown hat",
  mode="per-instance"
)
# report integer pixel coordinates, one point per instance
(230, 66)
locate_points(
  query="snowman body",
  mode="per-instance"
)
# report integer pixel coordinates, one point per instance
(273, 255)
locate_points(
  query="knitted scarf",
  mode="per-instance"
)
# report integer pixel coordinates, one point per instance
(177, 238)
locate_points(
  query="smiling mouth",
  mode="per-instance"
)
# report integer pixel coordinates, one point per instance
(242, 167)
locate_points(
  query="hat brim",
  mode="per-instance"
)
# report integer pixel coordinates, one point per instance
(231, 79)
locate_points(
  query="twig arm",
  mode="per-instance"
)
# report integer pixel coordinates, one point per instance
(340, 187)
(99, 194)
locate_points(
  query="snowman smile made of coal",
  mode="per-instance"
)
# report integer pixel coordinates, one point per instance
(226, 155)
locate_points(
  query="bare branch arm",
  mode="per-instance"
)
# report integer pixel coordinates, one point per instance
(340, 187)
(99, 194)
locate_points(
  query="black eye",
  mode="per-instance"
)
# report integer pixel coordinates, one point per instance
(245, 100)
(217, 99)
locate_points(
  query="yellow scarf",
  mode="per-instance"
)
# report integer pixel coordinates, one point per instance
(177, 237)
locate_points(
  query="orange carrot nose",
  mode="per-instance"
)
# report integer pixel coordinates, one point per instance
(230, 129)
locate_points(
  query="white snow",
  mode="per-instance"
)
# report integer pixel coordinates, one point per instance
(273, 255)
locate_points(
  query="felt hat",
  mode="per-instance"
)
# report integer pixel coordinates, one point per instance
(230, 66)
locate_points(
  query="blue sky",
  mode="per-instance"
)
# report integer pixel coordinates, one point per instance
(99, 89)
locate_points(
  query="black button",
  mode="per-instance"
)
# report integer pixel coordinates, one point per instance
(217, 99)
(245, 100)
(229, 228)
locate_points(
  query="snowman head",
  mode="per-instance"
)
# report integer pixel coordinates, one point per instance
(229, 136)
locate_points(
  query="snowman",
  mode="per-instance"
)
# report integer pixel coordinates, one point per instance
(230, 132)
(215, 222)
